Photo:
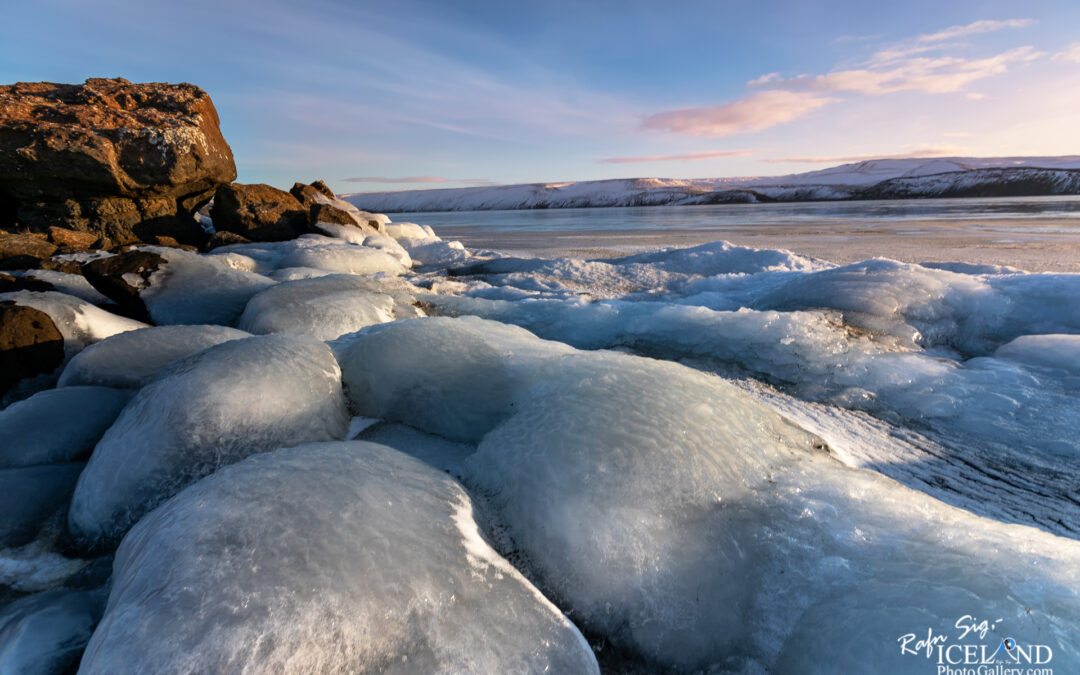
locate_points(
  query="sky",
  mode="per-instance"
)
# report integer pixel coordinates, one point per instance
(414, 94)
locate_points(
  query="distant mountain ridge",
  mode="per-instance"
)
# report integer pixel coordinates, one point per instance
(869, 179)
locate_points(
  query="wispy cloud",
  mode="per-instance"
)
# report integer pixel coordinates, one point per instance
(926, 153)
(974, 28)
(685, 157)
(420, 179)
(753, 113)
(1070, 53)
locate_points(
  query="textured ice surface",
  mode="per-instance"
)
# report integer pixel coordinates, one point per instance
(57, 425)
(198, 289)
(45, 634)
(390, 246)
(131, 359)
(329, 557)
(1054, 352)
(31, 495)
(346, 258)
(684, 521)
(79, 322)
(327, 307)
(410, 231)
(72, 284)
(208, 410)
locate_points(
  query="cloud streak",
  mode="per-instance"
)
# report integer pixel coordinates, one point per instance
(685, 157)
(753, 113)
(974, 28)
(419, 179)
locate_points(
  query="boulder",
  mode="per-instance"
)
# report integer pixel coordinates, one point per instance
(30, 344)
(72, 238)
(109, 157)
(9, 284)
(305, 194)
(325, 213)
(259, 212)
(23, 251)
(121, 277)
(224, 239)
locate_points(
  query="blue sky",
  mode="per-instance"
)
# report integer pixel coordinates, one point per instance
(444, 94)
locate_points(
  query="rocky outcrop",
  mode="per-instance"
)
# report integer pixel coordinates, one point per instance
(121, 277)
(72, 239)
(23, 251)
(30, 344)
(109, 157)
(258, 212)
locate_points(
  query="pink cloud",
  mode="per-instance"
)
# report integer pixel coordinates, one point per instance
(753, 113)
(419, 179)
(983, 26)
(1071, 53)
(927, 153)
(686, 157)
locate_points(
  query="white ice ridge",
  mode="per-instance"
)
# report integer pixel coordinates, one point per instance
(678, 518)
(325, 558)
(80, 323)
(210, 409)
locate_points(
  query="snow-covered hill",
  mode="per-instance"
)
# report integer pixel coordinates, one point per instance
(871, 179)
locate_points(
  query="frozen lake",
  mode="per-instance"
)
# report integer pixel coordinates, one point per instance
(1033, 233)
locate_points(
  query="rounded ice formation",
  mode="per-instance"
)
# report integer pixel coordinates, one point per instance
(45, 633)
(208, 410)
(327, 557)
(32, 495)
(79, 322)
(346, 258)
(58, 425)
(326, 307)
(690, 525)
(131, 359)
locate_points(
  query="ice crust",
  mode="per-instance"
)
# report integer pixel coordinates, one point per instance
(345, 258)
(130, 360)
(684, 521)
(58, 425)
(327, 307)
(29, 496)
(330, 557)
(208, 410)
(45, 633)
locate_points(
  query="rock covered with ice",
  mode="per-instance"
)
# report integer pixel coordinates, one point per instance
(346, 258)
(207, 410)
(332, 557)
(29, 496)
(131, 359)
(79, 322)
(694, 527)
(46, 633)
(57, 425)
(327, 307)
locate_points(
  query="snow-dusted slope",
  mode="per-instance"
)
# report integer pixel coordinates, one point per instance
(871, 179)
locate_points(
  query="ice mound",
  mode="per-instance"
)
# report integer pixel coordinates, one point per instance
(45, 633)
(327, 307)
(71, 284)
(329, 557)
(198, 289)
(1055, 351)
(689, 524)
(207, 410)
(79, 322)
(450, 377)
(435, 450)
(390, 246)
(132, 359)
(437, 253)
(31, 495)
(346, 258)
(410, 231)
(58, 425)
(720, 257)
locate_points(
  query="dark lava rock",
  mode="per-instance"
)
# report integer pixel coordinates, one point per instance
(259, 212)
(72, 239)
(30, 344)
(305, 194)
(23, 251)
(325, 213)
(108, 155)
(224, 239)
(121, 277)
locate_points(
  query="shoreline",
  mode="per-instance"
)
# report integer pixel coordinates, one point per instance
(1034, 245)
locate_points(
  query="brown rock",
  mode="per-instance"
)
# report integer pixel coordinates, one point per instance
(121, 277)
(72, 239)
(305, 194)
(30, 344)
(258, 212)
(23, 251)
(325, 213)
(322, 187)
(65, 266)
(157, 148)
(224, 239)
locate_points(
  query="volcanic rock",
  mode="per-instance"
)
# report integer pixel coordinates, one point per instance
(109, 157)
(72, 238)
(30, 344)
(121, 277)
(259, 212)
